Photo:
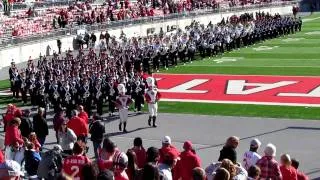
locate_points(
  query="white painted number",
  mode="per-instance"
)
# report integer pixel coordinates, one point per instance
(75, 170)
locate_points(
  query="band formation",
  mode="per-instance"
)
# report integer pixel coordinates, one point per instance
(118, 73)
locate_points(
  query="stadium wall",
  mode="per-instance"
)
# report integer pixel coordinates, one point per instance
(22, 53)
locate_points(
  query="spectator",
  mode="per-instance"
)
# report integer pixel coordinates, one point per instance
(13, 142)
(198, 174)
(168, 147)
(58, 119)
(26, 124)
(32, 160)
(251, 157)
(150, 172)
(77, 124)
(76, 161)
(59, 41)
(83, 114)
(268, 165)
(97, 130)
(8, 116)
(235, 171)
(106, 175)
(33, 139)
(288, 172)
(109, 149)
(40, 126)
(165, 168)
(153, 155)
(139, 151)
(254, 173)
(301, 176)
(51, 163)
(229, 149)
(93, 38)
(222, 174)
(132, 165)
(67, 138)
(120, 163)
(88, 172)
(188, 161)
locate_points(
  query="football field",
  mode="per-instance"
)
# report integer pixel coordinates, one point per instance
(285, 57)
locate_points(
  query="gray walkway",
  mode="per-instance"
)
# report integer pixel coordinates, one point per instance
(299, 138)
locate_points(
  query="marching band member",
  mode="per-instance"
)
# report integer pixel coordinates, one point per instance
(123, 102)
(152, 97)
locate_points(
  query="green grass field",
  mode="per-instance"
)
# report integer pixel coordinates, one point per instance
(297, 54)
(294, 55)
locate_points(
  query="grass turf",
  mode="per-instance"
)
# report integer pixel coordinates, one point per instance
(293, 55)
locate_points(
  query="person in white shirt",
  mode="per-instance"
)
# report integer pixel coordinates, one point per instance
(251, 157)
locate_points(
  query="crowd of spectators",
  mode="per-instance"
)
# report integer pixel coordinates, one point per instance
(24, 139)
(32, 21)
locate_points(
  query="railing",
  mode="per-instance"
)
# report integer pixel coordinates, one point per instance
(12, 41)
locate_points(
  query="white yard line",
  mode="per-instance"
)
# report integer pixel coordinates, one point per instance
(310, 19)
(241, 102)
(235, 65)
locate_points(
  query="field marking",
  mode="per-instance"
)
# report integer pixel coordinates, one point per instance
(241, 102)
(313, 33)
(265, 48)
(235, 65)
(227, 59)
(249, 75)
(292, 39)
(310, 19)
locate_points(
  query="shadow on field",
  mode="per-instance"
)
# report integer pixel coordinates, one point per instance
(266, 133)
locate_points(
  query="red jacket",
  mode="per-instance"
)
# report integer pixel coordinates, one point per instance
(78, 125)
(302, 176)
(288, 173)
(84, 116)
(168, 150)
(1, 157)
(12, 136)
(188, 161)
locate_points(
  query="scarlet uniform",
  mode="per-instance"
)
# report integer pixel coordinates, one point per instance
(73, 165)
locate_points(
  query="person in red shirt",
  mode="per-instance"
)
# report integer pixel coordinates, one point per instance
(301, 176)
(188, 161)
(77, 124)
(166, 148)
(83, 114)
(9, 115)
(13, 141)
(34, 140)
(140, 152)
(288, 172)
(106, 154)
(120, 163)
(74, 164)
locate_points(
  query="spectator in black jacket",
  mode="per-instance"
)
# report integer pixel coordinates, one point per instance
(26, 124)
(96, 129)
(93, 39)
(229, 149)
(40, 126)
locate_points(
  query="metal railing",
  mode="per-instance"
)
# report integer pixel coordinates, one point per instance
(10, 41)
